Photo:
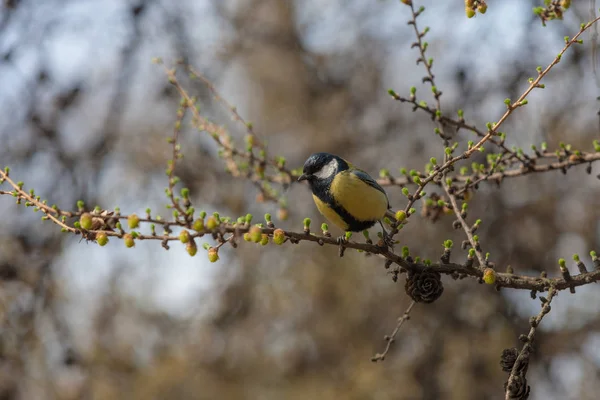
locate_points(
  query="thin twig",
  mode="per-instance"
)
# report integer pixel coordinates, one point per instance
(493, 128)
(457, 212)
(519, 369)
(391, 338)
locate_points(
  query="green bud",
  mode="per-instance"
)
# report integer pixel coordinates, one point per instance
(184, 236)
(400, 215)
(85, 221)
(278, 236)
(128, 240)
(405, 252)
(211, 223)
(191, 248)
(198, 225)
(255, 234)
(213, 254)
(101, 239)
(489, 276)
(133, 221)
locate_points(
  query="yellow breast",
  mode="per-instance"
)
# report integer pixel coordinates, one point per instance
(330, 214)
(361, 200)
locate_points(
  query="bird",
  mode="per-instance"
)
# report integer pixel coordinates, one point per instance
(346, 195)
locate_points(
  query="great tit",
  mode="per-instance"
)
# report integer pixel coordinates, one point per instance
(344, 194)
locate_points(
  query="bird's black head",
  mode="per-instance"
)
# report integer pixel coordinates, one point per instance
(322, 167)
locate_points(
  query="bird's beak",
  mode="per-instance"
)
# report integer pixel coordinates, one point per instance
(302, 177)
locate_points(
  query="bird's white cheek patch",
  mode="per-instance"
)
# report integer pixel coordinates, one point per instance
(328, 170)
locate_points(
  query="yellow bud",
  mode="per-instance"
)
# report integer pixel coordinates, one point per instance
(489, 276)
(133, 221)
(184, 236)
(198, 225)
(264, 240)
(211, 223)
(128, 239)
(255, 234)
(278, 236)
(191, 248)
(213, 254)
(85, 221)
(400, 216)
(470, 12)
(247, 237)
(482, 8)
(102, 239)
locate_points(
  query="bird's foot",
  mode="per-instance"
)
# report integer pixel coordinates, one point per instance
(386, 239)
(342, 242)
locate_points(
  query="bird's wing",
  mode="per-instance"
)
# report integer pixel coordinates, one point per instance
(368, 180)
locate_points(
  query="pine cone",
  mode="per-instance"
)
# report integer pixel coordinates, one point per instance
(508, 358)
(425, 286)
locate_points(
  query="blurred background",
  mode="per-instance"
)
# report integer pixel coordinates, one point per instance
(84, 114)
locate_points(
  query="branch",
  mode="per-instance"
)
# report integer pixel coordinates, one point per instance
(391, 338)
(217, 227)
(438, 171)
(516, 385)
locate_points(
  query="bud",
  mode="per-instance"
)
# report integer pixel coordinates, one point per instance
(198, 225)
(102, 239)
(128, 240)
(191, 248)
(264, 240)
(279, 236)
(133, 221)
(400, 216)
(213, 254)
(255, 234)
(211, 223)
(184, 236)
(85, 221)
(489, 276)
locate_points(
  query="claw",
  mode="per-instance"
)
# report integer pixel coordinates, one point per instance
(341, 242)
(388, 241)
